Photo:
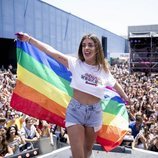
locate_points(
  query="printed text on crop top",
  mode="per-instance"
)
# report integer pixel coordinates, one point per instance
(88, 78)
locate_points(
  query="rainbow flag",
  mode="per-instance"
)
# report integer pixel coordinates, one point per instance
(115, 120)
(42, 91)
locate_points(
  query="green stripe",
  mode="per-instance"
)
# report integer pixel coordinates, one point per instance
(114, 108)
(43, 72)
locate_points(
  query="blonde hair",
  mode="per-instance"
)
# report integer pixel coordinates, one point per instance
(100, 61)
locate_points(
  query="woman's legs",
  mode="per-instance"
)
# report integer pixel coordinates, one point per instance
(90, 138)
(82, 140)
(76, 135)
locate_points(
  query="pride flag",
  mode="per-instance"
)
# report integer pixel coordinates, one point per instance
(42, 91)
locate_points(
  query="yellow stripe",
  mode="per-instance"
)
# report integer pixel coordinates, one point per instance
(43, 87)
(114, 120)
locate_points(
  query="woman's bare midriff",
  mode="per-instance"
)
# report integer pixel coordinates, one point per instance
(85, 98)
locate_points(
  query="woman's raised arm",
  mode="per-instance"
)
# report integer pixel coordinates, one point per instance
(62, 58)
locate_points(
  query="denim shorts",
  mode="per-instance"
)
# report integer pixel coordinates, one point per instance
(86, 115)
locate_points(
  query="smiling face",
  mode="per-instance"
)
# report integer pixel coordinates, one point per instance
(89, 51)
(12, 131)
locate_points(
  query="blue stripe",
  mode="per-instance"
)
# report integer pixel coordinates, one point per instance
(118, 99)
(43, 58)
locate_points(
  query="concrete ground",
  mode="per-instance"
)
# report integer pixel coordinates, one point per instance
(63, 150)
(119, 152)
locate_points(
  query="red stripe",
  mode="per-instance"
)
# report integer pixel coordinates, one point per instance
(28, 107)
(36, 97)
(108, 145)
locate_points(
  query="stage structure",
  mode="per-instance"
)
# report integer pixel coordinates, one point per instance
(143, 48)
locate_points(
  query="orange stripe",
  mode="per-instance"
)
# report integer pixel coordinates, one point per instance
(106, 133)
(107, 144)
(40, 99)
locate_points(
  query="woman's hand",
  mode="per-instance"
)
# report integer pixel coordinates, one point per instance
(23, 37)
(121, 92)
(127, 101)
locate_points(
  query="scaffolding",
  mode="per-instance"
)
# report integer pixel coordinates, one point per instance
(143, 48)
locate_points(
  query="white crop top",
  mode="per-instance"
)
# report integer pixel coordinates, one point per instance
(88, 78)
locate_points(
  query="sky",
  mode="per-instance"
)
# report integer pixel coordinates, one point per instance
(112, 15)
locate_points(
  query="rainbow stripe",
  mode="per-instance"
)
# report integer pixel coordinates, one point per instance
(42, 91)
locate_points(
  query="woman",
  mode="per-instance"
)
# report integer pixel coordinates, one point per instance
(153, 141)
(90, 75)
(14, 139)
(5, 150)
(141, 140)
(43, 128)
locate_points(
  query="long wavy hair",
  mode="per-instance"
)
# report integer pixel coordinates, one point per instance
(100, 61)
(8, 135)
(4, 144)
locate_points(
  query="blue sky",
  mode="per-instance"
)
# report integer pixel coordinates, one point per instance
(113, 15)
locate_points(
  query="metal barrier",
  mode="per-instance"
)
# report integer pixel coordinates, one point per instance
(26, 154)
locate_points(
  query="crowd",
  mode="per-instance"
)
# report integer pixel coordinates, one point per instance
(20, 132)
(142, 88)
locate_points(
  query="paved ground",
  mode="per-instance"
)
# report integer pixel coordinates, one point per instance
(62, 150)
(119, 152)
